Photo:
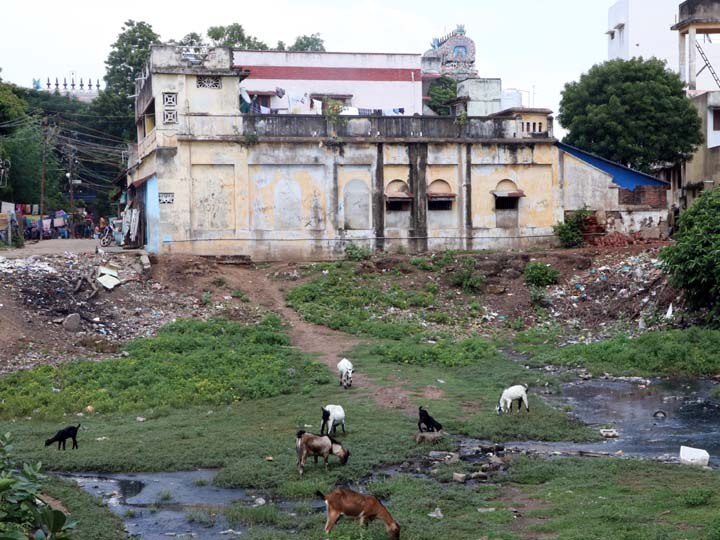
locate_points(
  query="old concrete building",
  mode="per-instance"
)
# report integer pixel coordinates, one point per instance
(206, 179)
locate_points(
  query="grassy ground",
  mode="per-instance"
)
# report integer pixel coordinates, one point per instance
(620, 499)
(693, 352)
(188, 363)
(471, 384)
(95, 521)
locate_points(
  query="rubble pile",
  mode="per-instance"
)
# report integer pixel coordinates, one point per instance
(95, 302)
(632, 288)
(617, 239)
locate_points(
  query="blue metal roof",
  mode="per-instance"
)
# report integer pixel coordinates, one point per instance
(624, 177)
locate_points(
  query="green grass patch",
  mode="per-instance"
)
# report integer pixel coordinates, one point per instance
(597, 499)
(358, 304)
(691, 352)
(94, 520)
(188, 363)
(265, 515)
(473, 375)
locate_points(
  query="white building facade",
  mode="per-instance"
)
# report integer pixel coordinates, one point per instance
(643, 28)
(296, 82)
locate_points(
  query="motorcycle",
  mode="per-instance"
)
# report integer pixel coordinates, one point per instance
(107, 236)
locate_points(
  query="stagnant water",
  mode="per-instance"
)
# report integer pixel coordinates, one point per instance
(141, 500)
(691, 416)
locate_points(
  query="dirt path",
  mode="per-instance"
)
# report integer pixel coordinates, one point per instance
(520, 503)
(331, 345)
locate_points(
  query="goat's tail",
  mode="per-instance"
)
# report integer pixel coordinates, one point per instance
(320, 494)
(300, 433)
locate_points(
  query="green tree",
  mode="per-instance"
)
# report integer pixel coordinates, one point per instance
(234, 36)
(313, 42)
(191, 39)
(115, 105)
(631, 111)
(24, 149)
(441, 91)
(693, 262)
(12, 107)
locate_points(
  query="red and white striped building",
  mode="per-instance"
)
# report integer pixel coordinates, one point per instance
(360, 80)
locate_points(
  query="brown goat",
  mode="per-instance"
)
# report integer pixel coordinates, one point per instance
(366, 508)
(318, 445)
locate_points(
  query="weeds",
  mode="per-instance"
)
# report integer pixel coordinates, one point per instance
(188, 362)
(354, 252)
(692, 352)
(466, 277)
(538, 274)
(206, 298)
(219, 282)
(240, 295)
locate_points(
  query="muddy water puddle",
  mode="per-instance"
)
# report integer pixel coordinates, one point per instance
(159, 506)
(652, 418)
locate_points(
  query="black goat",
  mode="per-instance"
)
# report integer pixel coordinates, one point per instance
(427, 422)
(61, 436)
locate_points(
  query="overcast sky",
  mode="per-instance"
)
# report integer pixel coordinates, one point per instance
(528, 43)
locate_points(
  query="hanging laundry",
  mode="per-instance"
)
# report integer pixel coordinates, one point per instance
(365, 112)
(264, 110)
(279, 92)
(317, 106)
(401, 110)
(349, 111)
(255, 107)
(389, 112)
(244, 95)
(297, 103)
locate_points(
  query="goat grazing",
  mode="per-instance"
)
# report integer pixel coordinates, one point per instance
(332, 416)
(366, 508)
(61, 436)
(318, 445)
(427, 422)
(345, 368)
(514, 393)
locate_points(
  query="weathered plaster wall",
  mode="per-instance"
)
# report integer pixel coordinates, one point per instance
(585, 185)
(302, 200)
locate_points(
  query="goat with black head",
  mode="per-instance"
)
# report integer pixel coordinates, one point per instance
(61, 436)
(427, 422)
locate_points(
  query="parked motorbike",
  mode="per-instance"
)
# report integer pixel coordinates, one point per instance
(107, 236)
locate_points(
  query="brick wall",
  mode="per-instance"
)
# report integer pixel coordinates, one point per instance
(652, 196)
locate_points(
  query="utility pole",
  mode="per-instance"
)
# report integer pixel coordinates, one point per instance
(42, 176)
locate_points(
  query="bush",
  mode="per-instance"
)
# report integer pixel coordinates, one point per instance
(693, 261)
(466, 278)
(353, 252)
(443, 353)
(697, 497)
(570, 233)
(538, 297)
(538, 274)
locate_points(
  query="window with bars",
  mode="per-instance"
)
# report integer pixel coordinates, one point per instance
(206, 81)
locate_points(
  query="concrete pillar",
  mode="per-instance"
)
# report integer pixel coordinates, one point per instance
(683, 56)
(378, 199)
(692, 64)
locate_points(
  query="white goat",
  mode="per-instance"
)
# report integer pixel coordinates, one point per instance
(509, 395)
(345, 368)
(332, 416)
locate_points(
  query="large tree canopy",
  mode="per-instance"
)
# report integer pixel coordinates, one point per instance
(115, 106)
(631, 111)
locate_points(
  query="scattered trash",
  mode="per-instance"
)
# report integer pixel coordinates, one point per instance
(694, 456)
(486, 510)
(609, 433)
(140, 418)
(660, 414)
(437, 514)
(459, 477)
(269, 458)
(102, 438)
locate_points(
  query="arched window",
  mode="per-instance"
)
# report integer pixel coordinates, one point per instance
(460, 51)
(440, 196)
(507, 199)
(397, 196)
